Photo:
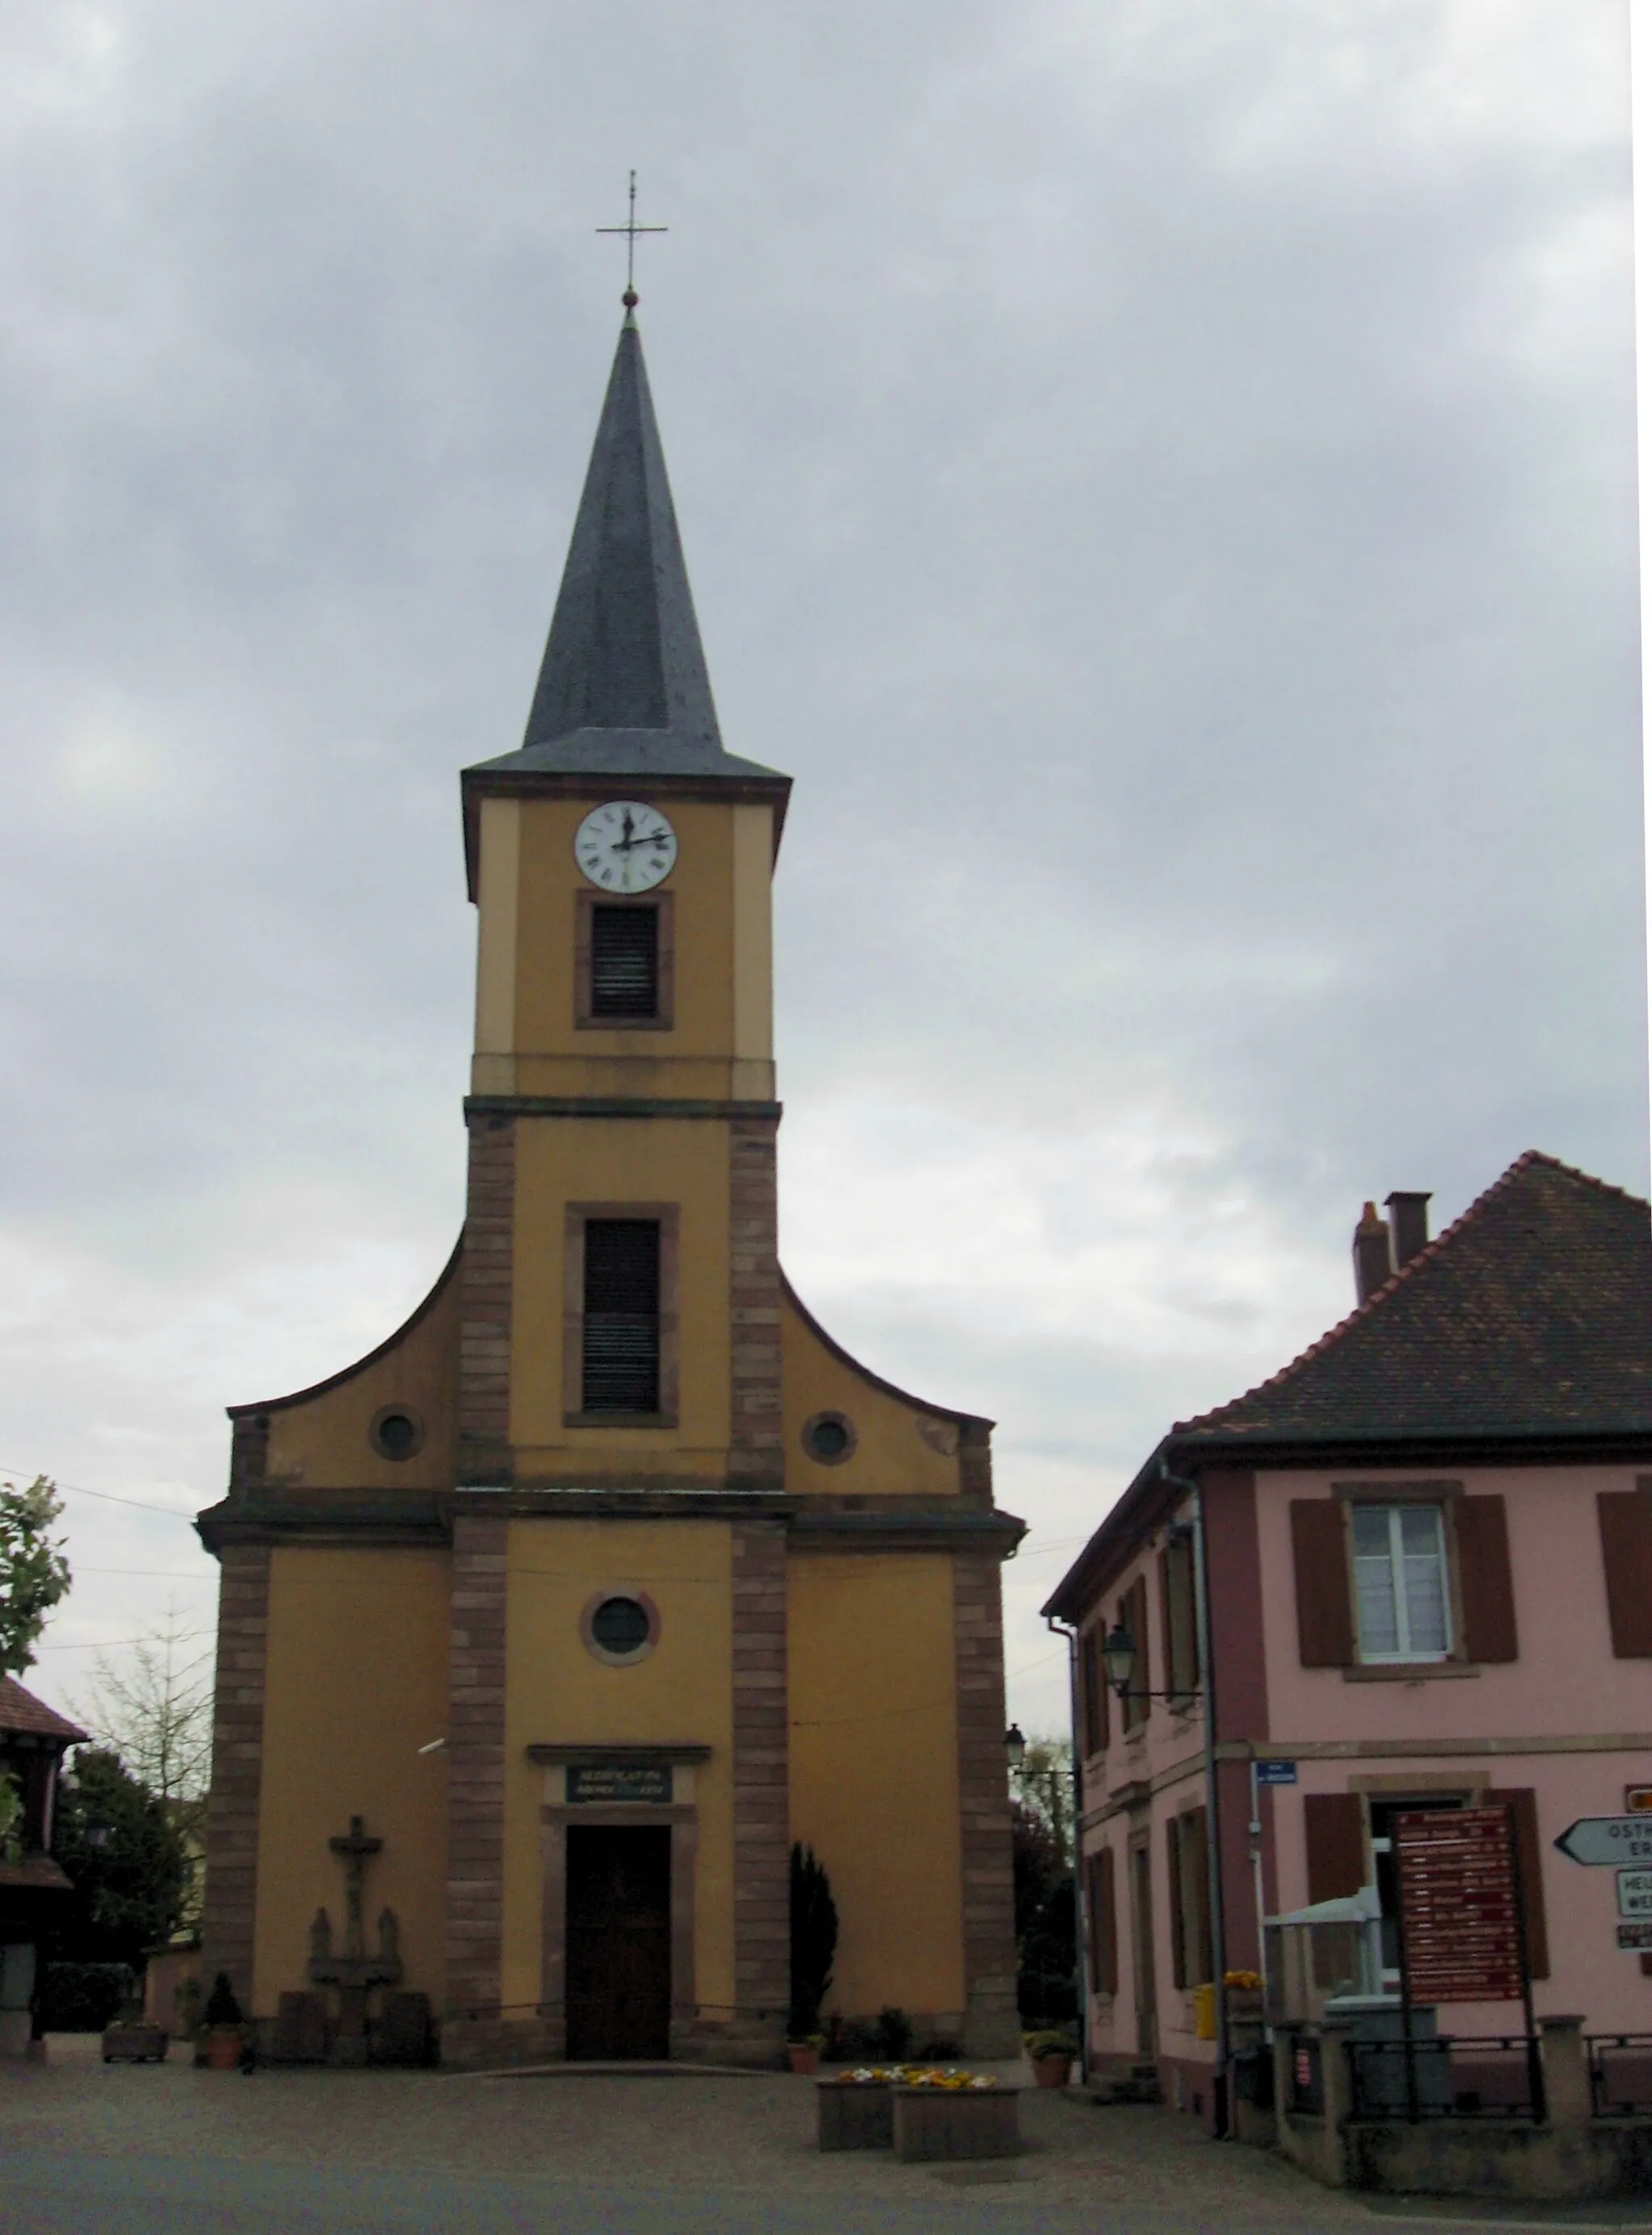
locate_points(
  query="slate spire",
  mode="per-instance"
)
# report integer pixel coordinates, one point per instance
(624, 652)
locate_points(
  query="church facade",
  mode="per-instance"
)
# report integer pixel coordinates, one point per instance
(610, 1576)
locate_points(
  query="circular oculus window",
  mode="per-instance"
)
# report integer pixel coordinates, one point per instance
(619, 1626)
(830, 1438)
(397, 1432)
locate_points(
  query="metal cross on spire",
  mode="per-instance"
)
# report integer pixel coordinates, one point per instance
(631, 229)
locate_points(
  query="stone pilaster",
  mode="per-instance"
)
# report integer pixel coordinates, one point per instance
(473, 2028)
(757, 1457)
(762, 1812)
(231, 1905)
(485, 1302)
(992, 2027)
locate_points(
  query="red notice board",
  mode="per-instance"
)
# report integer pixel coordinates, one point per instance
(1458, 1906)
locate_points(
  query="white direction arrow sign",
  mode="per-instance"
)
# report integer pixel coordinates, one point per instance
(1610, 1840)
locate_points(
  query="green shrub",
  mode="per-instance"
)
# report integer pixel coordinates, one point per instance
(894, 2034)
(222, 2009)
(84, 1997)
(814, 1942)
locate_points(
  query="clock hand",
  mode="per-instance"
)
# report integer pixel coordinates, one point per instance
(648, 838)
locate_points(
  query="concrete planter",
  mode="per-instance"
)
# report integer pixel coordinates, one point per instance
(855, 2115)
(138, 2043)
(965, 2123)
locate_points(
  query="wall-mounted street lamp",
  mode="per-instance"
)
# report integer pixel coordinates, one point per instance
(1118, 1659)
(1119, 1651)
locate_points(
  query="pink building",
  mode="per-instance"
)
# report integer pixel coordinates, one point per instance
(1420, 1558)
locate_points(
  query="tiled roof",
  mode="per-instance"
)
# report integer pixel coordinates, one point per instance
(35, 1874)
(1532, 1316)
(21, 1711)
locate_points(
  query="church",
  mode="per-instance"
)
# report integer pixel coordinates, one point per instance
(547, 1628)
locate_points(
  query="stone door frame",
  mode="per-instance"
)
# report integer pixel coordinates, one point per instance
(683, 1819)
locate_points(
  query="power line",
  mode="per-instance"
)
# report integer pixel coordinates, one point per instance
(158, 1575)
(79, 1490)
(108, 1644)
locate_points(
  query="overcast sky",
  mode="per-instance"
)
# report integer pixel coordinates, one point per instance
(1159, 474)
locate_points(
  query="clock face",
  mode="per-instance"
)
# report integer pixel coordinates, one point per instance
(625, 847)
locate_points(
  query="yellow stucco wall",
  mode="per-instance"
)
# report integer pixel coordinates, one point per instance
(323, 1442)
(720, 1043)
(558, 1692)
(357, 1682)
(900, 1450)
(563, 1160)
(874, 1770)
(703, 885)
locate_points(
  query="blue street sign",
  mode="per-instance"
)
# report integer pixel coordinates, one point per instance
(1276, 1772)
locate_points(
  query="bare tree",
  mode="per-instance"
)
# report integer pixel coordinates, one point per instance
(1043, 1784)
(153, 1708)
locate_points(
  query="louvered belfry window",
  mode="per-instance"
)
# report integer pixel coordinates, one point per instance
(624, 961)
(621, 1315)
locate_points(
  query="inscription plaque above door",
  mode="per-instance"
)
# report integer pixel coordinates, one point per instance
(603, 1784)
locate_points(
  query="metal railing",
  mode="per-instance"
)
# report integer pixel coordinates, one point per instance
(1620, 2073)
(1447, 2076)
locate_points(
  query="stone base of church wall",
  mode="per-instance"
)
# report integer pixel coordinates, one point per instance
(757, 2044)
(479, 2044)
(992, 2023)
(475, 2044)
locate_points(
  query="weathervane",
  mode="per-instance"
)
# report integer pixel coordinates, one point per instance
(631, 229)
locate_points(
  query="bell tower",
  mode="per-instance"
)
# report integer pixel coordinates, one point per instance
(622, 1112)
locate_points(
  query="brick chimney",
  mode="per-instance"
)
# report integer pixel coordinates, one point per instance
(1373, 1254)
(1408, 1224)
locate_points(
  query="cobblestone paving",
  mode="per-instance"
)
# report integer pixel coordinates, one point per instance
(574, 2151)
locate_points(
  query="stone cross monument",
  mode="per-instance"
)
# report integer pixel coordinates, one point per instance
(355, 1973)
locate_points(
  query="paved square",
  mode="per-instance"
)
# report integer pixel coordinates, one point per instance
(103, 2150)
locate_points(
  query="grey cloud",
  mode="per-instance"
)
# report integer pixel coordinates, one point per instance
(1162, 478)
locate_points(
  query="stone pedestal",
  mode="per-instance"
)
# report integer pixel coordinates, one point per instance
(1565, 2076)
(1336, 2086)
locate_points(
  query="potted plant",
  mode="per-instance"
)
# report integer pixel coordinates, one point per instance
(814, 1946)
(130, 2038)
(223, 2021)
(1244, 1992)
(1051, 2055)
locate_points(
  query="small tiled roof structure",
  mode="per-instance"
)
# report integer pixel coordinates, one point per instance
(20, 1711)
(1524, 1331)
(1531, 1314)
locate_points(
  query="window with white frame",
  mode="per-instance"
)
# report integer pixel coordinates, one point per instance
(1399, 1583)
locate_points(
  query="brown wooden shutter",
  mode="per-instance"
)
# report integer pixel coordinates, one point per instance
(1196, 1866)
(1092, 1691)
(1626, 1548)
(1334, 1823)
(1182, 1619)
(1140, 1628)
(1173, 1904)
(1485, 1580)
(1166, 1633)
(1324, 1605)
(1521, 1801)
(1107, 1911)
